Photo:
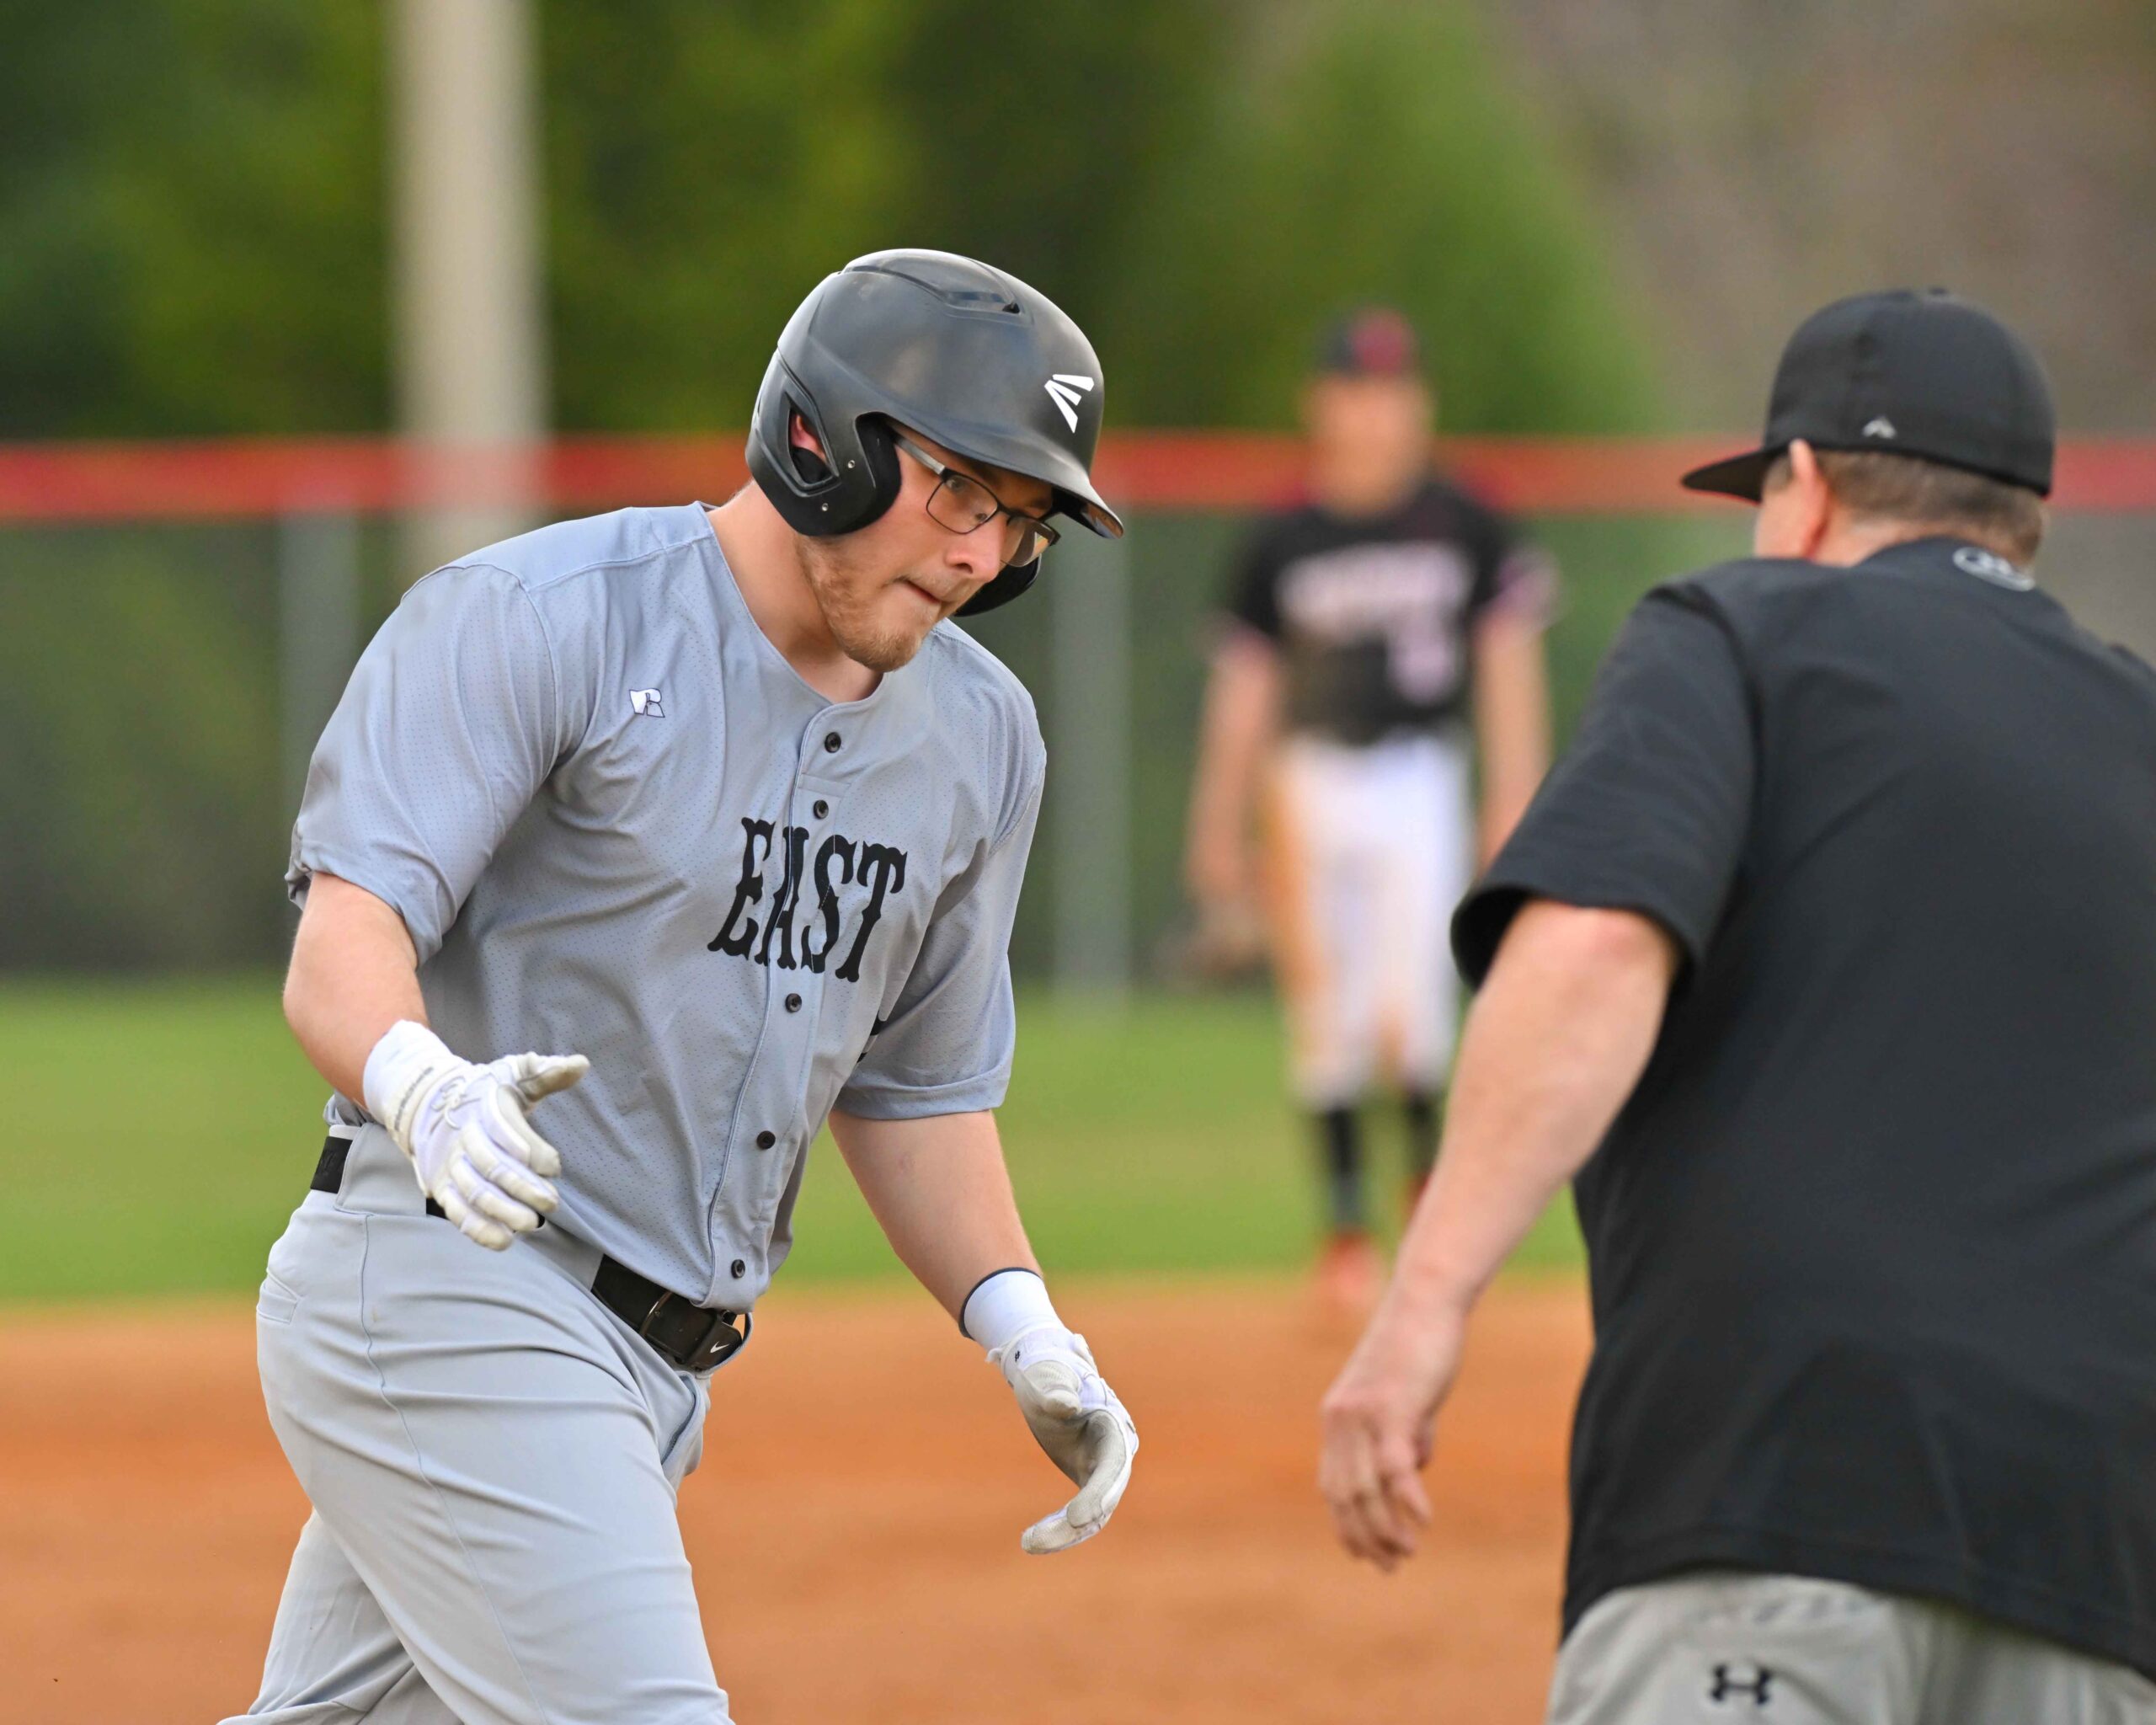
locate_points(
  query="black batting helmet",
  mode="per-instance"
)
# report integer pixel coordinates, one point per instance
(964, 355)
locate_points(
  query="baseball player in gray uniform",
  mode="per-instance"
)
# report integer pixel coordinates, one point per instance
(716, 799)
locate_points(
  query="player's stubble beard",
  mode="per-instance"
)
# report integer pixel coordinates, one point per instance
(846, 590)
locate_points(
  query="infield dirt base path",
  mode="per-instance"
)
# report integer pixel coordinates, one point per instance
(854, 1524)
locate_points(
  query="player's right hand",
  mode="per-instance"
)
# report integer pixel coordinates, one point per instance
(467, 1129)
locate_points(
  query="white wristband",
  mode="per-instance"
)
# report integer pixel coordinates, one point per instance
(400, 1071)
(1004, 1306)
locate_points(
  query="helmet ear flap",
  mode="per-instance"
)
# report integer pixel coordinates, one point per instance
(851, 485)
(879, 461)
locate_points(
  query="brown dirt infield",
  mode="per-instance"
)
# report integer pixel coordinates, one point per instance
(854, 1525)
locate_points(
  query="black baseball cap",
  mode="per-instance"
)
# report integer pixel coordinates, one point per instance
(1919, 373)
(1373, 341)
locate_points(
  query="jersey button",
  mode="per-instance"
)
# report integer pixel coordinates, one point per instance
(822, 808)
(764, 1140)
(740, 1269)
(830, 742)
(793, 1003)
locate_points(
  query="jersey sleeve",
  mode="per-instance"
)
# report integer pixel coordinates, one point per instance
(446, 729)
(946, 1047)
(1253, 594)
(1650, 808)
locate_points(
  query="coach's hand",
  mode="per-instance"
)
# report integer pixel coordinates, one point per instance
(466, 1130)
(1078, 1421)
(1379, 1420)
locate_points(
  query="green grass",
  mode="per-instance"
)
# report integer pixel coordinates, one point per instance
(154, 1137)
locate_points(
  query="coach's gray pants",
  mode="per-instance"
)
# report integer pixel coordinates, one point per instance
(1716, 1647)
(493, 1458)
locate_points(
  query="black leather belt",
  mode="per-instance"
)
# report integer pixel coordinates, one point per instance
(693, 1336)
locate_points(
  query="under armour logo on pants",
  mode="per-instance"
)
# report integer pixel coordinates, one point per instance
(1742, 1679)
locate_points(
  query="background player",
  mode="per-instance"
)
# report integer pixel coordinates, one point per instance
(1363, 629)
(1833, 930)
(714, 799)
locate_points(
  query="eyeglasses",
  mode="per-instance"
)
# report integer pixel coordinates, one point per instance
(961, 503)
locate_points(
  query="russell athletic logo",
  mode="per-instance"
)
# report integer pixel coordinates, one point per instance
(1063, 389)
(647, 703)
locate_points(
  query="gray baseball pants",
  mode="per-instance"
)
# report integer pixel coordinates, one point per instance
(493, 1458)
(1717, 1648)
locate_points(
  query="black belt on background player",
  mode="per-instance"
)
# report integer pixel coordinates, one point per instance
(693, 1336)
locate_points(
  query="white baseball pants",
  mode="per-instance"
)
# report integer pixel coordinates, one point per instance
(1372, 849)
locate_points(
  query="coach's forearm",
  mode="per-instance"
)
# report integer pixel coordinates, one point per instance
(354, 973)
(940, 1192)
(1557, 1039)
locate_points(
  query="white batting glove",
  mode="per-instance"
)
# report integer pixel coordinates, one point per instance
(465, 1129)
(1073, 1414)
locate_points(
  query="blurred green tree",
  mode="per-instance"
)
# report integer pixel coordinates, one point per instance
(1199, 182)
(705, 165)
(191, 220)
(1347, 151)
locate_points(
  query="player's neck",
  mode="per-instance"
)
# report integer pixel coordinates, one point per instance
(760, 550)
(1359, 491)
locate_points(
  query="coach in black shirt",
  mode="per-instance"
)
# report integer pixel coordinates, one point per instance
(1826, 958)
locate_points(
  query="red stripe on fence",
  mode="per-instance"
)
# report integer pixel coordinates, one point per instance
(1137, 470)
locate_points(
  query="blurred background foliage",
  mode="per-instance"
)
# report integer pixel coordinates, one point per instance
(192, 241)
(192, 219)
(192, 224)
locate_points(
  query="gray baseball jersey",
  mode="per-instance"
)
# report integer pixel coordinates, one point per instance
(618, 824)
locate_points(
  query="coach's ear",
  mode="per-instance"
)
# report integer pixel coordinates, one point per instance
(1796, 506)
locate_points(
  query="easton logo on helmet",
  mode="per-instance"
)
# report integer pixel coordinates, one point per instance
(1063, 390)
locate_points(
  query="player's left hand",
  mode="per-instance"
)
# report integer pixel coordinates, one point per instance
(1379, 1422)
(1078, 1420)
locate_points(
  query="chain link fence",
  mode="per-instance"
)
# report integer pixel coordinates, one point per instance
(164, 675)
